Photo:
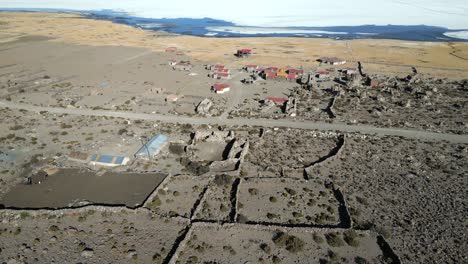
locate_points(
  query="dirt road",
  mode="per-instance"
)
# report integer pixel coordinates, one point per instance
(365, 129)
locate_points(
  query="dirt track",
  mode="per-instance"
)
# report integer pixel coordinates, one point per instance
(407, 133)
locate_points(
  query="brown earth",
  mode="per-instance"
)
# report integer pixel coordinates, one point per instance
(380, 55)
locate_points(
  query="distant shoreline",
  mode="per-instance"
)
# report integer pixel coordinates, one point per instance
(214, 28)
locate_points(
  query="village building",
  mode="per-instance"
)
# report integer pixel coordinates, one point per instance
(221, 88)
(349, 71)
(332, 60)
(281, 75)
(375, 84)
(243, 53)
(220, 75)
(276, 100)
(270, 75)
(172, 62)
(152, 148)
(172, 98)
(296, 71)
(108, 160)
(322, 74)
(183, 66)
(215, 67)
(271, 70)
(292, 77)
(251, 68)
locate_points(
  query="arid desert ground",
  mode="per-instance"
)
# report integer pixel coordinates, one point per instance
(338, 165)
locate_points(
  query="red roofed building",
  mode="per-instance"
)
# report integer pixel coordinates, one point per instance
(221, 75)
(292, 77)
(251, 68)
(270, 75)
(296, 71)
(183, 66)
(221, 88)
(276, 100)
(271, 69)
(322, 74)
(243, 53)
(375, 84)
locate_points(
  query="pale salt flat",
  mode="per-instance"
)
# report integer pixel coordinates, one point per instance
(457, 34)
(452, 14)
(266, 30)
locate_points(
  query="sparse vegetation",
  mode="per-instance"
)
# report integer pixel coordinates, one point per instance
(334, 239)
(289, 242)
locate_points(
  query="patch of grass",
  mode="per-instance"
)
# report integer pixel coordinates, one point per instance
(265, 247)
(156, 202)
(360, 260)
(351, 238)
(272, 216)
(230, 249)
(290, 191)
(122, 131)
(17, 127)
(253, 191)
(17, 231)
(222, 180)
(291, 243)
(297, 215)
(64, 126)
(24, 215)
(276, 259)
(54, 228)
(223, 208)
(318, 238)
(334, 240)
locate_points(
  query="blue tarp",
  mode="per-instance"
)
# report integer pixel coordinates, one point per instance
(152, 147)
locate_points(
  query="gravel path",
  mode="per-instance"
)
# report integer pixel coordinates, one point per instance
(365, 129)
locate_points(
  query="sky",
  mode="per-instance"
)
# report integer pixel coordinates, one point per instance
(452, 14)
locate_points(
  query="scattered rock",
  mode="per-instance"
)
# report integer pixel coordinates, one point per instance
(87, 253)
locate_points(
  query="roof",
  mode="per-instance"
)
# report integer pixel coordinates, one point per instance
(271, 74)
(296, 70)
(274, 69)
(183, 64)
(221, 86)
(172, 97)
(153, 146)
(278, 100)
(218, 66)
(292, 76)
(322, 72)
(224, 74)
(244, 51)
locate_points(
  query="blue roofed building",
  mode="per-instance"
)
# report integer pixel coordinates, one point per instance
(152, 147)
